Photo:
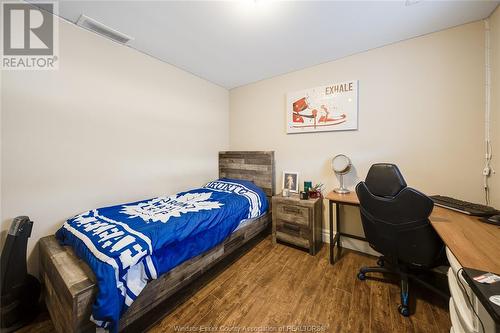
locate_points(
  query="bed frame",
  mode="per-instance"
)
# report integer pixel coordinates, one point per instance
(69, 283)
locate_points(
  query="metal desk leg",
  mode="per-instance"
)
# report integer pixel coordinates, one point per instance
(334, 240)
(332, 243)
(337, 225)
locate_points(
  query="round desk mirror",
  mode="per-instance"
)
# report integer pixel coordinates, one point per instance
(341, 165)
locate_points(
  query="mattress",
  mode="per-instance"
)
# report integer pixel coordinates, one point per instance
(129, 244)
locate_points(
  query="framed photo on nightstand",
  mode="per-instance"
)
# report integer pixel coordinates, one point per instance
(291, 181)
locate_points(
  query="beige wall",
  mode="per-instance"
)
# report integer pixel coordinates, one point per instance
(112, 125)
(494, 22)
(421, 105)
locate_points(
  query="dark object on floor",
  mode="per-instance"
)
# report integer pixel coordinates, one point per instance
(396, 223)
(20, 290)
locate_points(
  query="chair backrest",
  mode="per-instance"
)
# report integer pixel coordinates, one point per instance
(396, 217)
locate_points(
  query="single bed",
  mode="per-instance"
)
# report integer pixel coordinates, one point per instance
(70, 283)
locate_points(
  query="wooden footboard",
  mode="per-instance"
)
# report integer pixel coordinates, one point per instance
(70, 286)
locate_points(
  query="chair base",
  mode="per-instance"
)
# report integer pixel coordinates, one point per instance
(405, 275)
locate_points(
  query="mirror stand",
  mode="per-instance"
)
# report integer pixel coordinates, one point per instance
(341, 189)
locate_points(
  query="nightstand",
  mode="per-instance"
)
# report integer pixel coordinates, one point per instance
(298, 222)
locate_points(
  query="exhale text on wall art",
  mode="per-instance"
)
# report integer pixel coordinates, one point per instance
(333, 107)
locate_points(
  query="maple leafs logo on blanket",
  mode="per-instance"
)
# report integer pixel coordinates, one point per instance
(161, 209)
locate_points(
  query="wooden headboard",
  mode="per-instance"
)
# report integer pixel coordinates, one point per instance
(256, 166)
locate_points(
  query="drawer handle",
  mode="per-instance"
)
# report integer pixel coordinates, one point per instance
(289, 209)
(291, 227)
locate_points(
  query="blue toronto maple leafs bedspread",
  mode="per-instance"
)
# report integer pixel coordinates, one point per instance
(128, 245)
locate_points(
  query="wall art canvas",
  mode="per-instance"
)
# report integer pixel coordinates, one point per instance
(333, 107)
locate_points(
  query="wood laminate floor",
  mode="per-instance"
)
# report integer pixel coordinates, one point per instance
(276, 285)
(273, 287)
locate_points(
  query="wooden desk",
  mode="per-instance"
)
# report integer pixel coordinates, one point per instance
(350, 199)
(475, 244)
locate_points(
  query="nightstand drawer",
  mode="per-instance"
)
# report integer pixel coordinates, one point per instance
(293, 213)
(285, 236)
(291, 228)
(293, 233)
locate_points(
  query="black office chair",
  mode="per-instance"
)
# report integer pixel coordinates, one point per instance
(396, 223)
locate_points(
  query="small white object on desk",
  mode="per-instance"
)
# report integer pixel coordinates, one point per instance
(487, 278)
(286, 192)
(495, 299)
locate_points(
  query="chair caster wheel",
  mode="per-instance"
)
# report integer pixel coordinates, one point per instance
(404, 310)
(380, 262)
(361, 276)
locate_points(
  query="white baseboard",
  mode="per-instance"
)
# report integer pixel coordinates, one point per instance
(351, 243)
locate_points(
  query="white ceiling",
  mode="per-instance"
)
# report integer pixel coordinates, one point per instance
(233, 43)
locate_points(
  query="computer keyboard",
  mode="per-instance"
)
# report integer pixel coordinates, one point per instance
(465, 207)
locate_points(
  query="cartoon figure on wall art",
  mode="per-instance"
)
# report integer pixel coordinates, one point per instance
(328, 108)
